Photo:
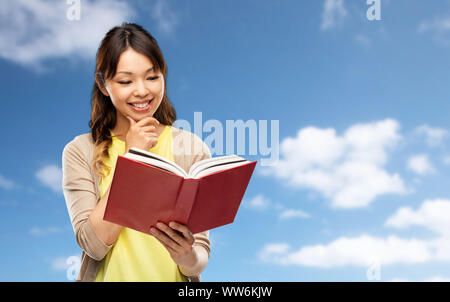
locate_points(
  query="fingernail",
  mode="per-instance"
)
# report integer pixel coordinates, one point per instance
(152, 230)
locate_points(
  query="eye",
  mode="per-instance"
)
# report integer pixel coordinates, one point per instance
(124, 83)
(152, 78)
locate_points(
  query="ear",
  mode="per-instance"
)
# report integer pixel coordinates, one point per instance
(100, 84)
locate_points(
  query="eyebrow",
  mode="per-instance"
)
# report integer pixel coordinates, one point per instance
(128, 72)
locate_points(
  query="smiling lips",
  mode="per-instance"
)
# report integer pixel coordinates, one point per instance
(141, 106)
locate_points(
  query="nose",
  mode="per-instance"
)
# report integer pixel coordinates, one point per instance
(141, 90)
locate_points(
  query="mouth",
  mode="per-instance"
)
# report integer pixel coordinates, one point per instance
(141, 106)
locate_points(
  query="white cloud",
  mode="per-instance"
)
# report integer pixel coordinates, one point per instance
(164, 16)
(433, 135)
(365, 249)
(441, 246)
(262, 203)
(32, 31)
(432, 214)
(42, 231)
(259, 202)
(6, 183)
(348, 169)
(333, 14)
(272, 251)
(51, 176)
(420, 164)
(70, 264)
(359, 251)
(60, 264)
(291, 213)
(439, 28)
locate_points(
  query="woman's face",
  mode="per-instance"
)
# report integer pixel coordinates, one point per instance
(136, 89)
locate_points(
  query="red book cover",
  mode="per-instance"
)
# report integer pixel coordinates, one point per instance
(141, 195)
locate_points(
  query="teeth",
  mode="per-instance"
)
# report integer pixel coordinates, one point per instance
(140, 105)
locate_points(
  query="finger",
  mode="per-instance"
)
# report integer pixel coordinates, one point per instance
(184, 230)
(148, 128)
(151, 135)
(171, 251)
(148, 120)
(174, 235)
(161, 236)
(151, 140)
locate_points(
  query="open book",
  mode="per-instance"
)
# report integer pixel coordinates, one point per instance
(197, 170)
(147, 188)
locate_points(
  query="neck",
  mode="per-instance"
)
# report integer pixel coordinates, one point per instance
(121, 128)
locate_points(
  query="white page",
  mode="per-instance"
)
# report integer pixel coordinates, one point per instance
(157, 161)
(219, 168)
(197, 170)
(200, 165)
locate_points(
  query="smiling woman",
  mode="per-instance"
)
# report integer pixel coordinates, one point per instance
(135, 90)
(130, 108)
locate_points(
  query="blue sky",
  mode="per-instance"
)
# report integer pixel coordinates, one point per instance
(361, 185)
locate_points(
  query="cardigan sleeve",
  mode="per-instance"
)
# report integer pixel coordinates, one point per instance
(80, 195)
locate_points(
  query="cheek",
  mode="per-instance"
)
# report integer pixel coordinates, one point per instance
(159, 88)
(119, 95)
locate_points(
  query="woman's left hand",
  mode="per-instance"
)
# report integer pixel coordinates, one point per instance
(178, 240)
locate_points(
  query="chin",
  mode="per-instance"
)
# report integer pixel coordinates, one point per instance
(138, 117)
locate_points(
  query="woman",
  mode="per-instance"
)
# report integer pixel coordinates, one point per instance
(130, 108)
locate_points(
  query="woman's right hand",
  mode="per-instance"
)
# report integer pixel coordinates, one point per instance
(142, 134)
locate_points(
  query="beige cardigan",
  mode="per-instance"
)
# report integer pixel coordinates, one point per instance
(81, 192)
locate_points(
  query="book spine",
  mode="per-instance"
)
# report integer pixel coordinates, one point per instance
(185, 200)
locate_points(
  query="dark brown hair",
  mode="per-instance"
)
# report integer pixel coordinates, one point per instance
(103, 115)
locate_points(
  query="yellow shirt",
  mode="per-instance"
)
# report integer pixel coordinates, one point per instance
(137, 256)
